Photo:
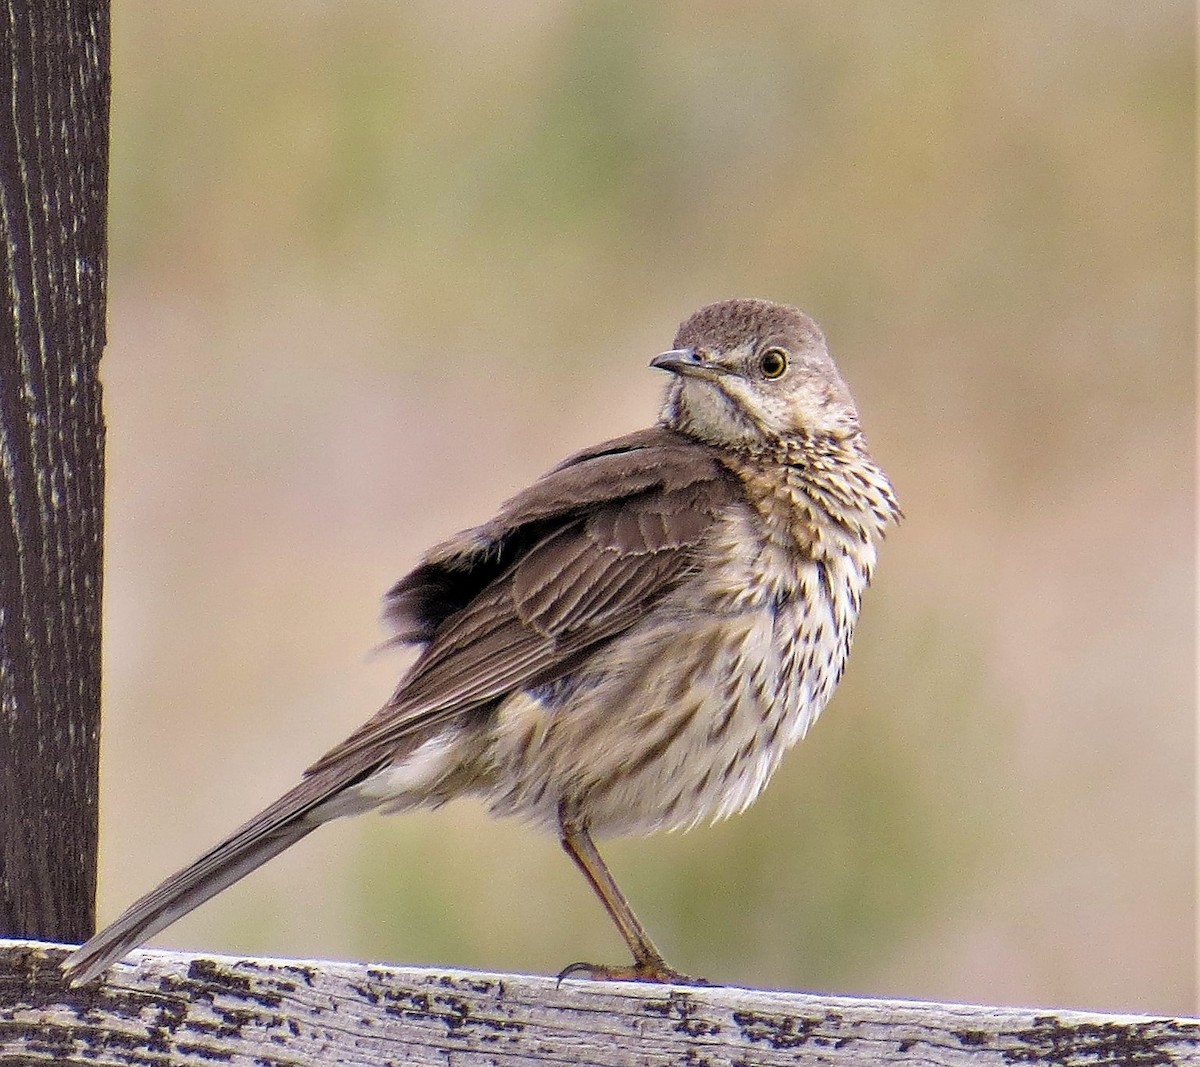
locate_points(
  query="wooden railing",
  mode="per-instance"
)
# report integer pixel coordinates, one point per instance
(174, 1008)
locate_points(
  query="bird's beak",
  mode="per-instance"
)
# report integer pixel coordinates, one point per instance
(689, 362)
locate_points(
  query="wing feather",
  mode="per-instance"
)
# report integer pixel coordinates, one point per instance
(578, 557)
(565, 566)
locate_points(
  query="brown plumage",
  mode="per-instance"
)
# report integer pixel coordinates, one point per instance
(631, 643)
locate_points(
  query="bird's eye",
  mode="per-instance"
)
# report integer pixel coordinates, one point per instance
(773, 362)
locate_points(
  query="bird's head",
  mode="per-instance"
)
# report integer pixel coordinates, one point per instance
(751, 374)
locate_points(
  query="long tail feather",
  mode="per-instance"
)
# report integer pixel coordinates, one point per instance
(277, 827)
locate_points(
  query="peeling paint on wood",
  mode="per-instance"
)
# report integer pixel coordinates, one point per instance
(184, 1009)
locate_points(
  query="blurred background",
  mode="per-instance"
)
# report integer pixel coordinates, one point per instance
(375, 266)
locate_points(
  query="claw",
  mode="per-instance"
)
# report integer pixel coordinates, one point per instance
(645, 971)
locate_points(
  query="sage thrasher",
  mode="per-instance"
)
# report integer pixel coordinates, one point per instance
(631, 644)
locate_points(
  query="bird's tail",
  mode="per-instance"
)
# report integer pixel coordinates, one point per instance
(277, 827)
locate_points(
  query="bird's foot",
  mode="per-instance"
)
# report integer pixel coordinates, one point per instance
(650, 970)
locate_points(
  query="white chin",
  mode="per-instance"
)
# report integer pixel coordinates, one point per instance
(708, 413)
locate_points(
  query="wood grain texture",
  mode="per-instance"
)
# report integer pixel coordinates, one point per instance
(185, 1009)
(54, 65)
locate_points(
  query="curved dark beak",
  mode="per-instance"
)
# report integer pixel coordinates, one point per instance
(687, 361)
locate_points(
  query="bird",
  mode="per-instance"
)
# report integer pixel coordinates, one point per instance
(629, 645)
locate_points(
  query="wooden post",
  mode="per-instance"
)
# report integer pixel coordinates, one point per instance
(180, 1009)
(54, 68)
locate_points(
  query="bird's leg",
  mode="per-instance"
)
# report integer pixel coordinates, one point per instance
(648, 962)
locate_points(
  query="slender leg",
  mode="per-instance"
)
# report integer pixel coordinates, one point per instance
(648, 962)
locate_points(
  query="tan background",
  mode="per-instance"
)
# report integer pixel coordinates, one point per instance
(375, 265)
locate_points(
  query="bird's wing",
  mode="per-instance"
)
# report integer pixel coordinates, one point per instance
(454, 572)
(575, 559)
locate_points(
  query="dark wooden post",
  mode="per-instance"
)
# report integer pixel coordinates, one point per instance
(54, 92)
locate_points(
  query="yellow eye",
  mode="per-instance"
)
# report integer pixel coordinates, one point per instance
(773, 362)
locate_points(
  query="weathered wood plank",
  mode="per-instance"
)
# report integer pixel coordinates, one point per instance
(181, 1008)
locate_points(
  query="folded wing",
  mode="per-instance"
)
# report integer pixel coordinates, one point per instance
(566, 565)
